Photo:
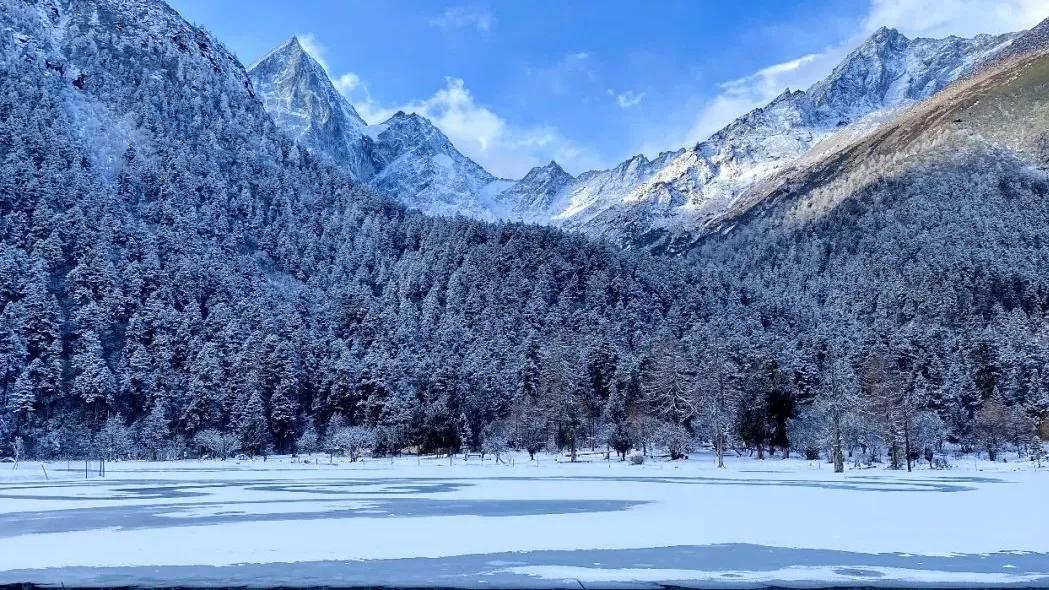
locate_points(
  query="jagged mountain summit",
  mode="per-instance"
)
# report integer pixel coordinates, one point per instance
(535, 193)
(418, 164)
(639, 201)
(302, 101)
(406, 157)
(992, 119)
(696, 186)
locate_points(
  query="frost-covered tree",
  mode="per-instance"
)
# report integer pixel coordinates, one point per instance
(251, 424)
(203, 396)
(494, 441)
(309, 441)
(839, 405)
(216, 443)
(94, 383)
(667, 382)
(716, 398)
(616, 432)
(675, 438)
(153, 432)
(113, 439)
(1038, 453)
(529, 426)
(354, 440)
(998, 424)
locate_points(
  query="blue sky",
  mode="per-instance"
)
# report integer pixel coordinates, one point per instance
(516, 84)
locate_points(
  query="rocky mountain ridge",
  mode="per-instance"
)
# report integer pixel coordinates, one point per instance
(639, 201)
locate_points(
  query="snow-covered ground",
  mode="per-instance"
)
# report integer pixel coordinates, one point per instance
(423, 522)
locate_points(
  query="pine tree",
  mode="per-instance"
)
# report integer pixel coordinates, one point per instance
(840, 404)
(251, 424)
(12, 362)
(205, 383)
(667, 382)
(154, 432)
(616, 421)
(21, 400)
(282, 403)
(39, 314)
(530, 373)
(309, 441)
(717, 397)
(601, 364)
(94, 383)
(1037, 452)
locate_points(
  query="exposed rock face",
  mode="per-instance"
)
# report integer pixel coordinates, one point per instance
(302, 101)
(408, 158)
(887, 72)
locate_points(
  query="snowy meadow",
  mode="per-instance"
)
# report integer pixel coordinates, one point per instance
(413, 521)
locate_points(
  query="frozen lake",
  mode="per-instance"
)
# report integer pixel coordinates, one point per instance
(411, 522)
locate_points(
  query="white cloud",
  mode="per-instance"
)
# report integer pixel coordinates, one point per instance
(739, 96)
(770, 79)
(346, 83)
(914, 18)
(315, 48)
(964, 18)
(464, 17)
(455, 112)
(628, 98)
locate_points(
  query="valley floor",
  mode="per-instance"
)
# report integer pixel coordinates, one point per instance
(424, 522)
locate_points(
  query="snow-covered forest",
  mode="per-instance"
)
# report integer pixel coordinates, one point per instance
(179, 279)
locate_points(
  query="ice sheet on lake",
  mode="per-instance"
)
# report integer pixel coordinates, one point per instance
(411, 522)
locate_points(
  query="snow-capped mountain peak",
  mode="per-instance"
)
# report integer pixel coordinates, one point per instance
(406, 156)
(889, 69)
(533, 194)
(303, 102)
(418, 164)
(886, 72)
(404, 132)
(410, 159)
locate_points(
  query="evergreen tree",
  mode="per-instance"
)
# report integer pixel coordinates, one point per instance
(94, 383)
(251, 425)
(154, 432)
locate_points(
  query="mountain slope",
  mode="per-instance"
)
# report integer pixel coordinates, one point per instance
(938, 212)
(172, 264)
(885, 73)
(999, 110)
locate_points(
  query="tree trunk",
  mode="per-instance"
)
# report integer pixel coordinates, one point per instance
(839, 455)
(719, 448)
(907, 444)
